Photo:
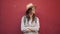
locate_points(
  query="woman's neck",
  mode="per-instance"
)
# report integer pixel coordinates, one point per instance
(30, 15)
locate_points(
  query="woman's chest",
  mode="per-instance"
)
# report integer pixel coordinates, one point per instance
(30, 23)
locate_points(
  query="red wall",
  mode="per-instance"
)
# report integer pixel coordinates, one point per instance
(12, 10)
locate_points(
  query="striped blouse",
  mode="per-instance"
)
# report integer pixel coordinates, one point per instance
(34, 26)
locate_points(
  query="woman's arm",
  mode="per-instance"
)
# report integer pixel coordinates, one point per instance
(37, 26)
(23, 28)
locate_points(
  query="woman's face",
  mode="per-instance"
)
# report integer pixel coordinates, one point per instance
(33, 10)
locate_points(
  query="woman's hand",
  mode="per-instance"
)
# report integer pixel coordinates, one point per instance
(30, 30)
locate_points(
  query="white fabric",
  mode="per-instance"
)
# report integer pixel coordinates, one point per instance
(34, 26)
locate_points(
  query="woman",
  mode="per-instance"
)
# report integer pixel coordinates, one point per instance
(29, 22)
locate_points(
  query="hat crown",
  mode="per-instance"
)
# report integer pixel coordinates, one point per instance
(29, 5)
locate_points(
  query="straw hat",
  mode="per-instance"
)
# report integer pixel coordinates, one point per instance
(29, 5)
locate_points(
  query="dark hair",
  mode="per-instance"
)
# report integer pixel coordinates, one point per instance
(27, 14)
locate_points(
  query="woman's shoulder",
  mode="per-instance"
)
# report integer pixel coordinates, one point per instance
(36, 17)
(23, 16)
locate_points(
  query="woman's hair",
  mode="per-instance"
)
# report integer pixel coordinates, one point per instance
(27, 14)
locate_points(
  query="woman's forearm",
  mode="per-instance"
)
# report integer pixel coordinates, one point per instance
(34, 28)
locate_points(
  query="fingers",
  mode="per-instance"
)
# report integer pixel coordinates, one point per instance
(31, 30)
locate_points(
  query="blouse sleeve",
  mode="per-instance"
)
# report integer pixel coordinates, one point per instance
(23, 28)
(37, 26)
